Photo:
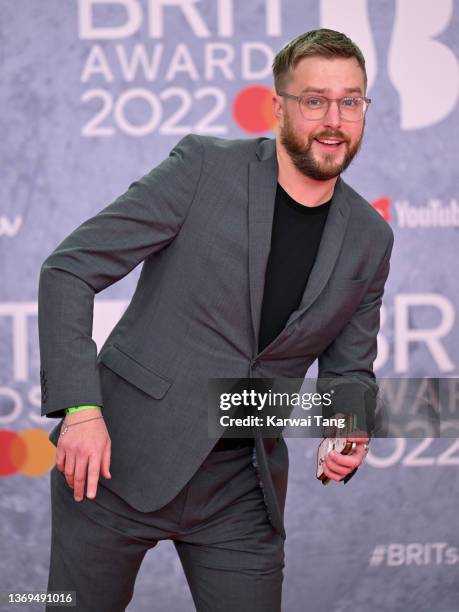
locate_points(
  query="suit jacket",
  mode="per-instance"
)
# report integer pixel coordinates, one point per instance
(201, 224)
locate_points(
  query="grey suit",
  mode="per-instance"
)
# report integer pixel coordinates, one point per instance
(201, 223)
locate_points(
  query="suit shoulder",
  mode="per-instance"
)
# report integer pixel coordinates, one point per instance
(224, 148)
(365, 213)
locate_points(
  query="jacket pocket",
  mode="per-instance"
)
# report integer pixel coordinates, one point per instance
(347, 282)
(142, 377)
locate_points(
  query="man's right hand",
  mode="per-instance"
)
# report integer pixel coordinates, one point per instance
(83, 452)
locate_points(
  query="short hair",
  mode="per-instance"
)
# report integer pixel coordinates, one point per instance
(315, 43)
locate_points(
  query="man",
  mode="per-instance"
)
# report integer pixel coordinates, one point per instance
(257, 259)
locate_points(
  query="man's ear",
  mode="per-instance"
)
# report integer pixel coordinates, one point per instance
(278, 109)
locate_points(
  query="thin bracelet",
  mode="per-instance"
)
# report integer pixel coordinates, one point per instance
(85, 421)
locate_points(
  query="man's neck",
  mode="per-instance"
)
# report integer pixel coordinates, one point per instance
(301, 188)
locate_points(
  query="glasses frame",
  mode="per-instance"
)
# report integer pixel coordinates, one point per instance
(284, 94)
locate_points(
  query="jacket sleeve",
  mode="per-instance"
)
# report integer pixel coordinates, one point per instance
(346, 365)
(101, 251)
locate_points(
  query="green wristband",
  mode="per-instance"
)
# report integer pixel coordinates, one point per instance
(76, 408)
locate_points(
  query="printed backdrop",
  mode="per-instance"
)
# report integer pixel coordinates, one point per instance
(94, 94)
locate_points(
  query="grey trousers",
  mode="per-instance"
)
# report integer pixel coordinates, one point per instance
(232, 558)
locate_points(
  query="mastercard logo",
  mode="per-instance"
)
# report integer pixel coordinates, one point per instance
(252, 110)
(27, 452)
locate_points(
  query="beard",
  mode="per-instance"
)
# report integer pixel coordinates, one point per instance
(310, 165)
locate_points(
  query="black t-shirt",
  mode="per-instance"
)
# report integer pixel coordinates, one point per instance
(295, 239)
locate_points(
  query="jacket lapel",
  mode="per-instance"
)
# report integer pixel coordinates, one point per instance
(328, 252)
(262, 194)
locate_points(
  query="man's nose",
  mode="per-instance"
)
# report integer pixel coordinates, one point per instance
(332, 118)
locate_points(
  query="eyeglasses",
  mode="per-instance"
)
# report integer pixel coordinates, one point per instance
(351, 108)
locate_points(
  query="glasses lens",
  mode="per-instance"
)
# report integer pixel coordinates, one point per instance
(313, 107)
(352, 109)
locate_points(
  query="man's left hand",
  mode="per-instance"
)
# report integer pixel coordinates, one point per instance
(338, 466)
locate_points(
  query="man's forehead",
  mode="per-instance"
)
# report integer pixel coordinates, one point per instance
(324, 75)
